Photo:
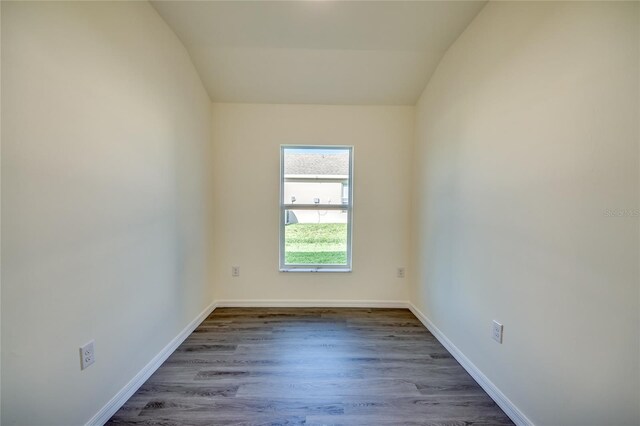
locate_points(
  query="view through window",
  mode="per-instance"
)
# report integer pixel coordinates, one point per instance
(315, 207)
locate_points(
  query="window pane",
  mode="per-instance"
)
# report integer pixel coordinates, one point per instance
(315, 237)
(316, 176)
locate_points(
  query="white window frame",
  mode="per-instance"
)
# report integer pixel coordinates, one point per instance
(340, 207)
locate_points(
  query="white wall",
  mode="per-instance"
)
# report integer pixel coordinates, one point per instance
(0, 218)
(325, 190)
(246, 167)
(526, 134)
(105, 152)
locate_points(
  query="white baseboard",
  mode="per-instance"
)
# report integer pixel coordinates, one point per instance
(292, 303)
(102, 416)
(507, 406)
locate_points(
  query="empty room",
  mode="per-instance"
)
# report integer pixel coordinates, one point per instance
(320, 213)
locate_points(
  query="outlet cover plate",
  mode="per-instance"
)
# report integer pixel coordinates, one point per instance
(87, 355)
(496, 331)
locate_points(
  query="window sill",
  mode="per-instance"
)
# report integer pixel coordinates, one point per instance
(315, 269)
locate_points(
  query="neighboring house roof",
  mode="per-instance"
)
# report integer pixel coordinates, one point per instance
(316, 164)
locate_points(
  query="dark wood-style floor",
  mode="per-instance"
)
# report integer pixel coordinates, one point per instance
(311, 366)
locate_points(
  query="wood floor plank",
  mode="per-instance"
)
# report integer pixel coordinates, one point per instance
(342, 366)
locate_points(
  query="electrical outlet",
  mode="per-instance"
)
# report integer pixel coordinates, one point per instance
(87, 355)
(400, 272)
(496, 331)
(235, 271)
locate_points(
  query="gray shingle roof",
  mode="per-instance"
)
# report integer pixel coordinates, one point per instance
(316, 164)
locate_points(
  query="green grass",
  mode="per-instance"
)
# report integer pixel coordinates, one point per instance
(316, 258)
(316, 244)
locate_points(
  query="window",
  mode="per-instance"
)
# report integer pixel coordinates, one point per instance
(316, 202)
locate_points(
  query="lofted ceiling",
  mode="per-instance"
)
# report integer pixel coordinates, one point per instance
(317, 52)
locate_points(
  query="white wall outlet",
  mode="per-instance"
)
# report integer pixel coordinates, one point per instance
(496, 331)
(235, 271)
(87, 355)
(400, 272)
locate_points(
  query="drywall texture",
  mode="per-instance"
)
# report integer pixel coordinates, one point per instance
(246, 165)
(527, 189)
(105, 139)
